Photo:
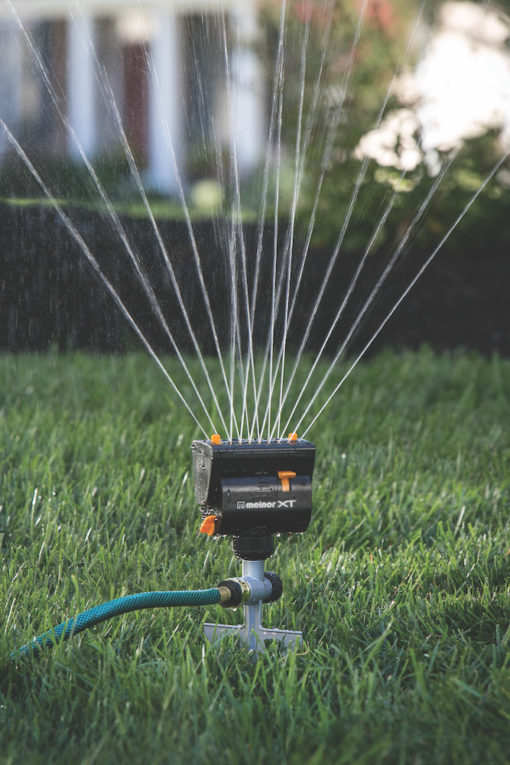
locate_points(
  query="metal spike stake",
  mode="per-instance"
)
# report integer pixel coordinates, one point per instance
(257, 589)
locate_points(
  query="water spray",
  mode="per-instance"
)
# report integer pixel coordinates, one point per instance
(247, 490)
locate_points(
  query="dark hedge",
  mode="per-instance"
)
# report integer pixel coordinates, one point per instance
(50, 297)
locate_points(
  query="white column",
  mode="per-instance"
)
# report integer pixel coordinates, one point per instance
(165, 134)
(81, 91)
(11, 65)
(247, 88)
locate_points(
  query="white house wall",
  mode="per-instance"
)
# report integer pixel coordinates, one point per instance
(10, 83)
(81, 90)
(165, 144)
(154, 25)
(248, 94)
(34, 9)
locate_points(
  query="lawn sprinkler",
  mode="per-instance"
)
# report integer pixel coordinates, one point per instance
(250, 491)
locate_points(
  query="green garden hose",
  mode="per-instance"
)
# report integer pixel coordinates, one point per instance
(116, 607)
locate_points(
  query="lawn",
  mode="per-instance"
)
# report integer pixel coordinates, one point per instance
(400, 585)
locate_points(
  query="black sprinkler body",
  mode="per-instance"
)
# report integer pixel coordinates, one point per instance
(252, 490)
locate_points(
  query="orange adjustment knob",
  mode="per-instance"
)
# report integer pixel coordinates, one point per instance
(292, 438)
(208, 525)
(216, 439)
(284, 476)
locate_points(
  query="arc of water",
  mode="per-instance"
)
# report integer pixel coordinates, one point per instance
(218, 149)
(191, 234)
(276, 293)
(323, 285)
(311, 119)
(111, 102)
(168, 264)
(352, 285)
(293, 210)
(357, 186)
(328, 148)
(271, 380)
(277, 78)
(360, 178)
(416, 219)
(235, 336)
(404, 294)
(362, 172)
(111, 210)
(275, 116)
(286, 266)
(238, 227)
(74, 233)
(196, 256)
(233, 315)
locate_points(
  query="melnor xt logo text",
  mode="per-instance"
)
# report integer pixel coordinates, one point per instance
(281, 503)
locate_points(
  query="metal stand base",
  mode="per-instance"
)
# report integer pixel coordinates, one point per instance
(252, 632)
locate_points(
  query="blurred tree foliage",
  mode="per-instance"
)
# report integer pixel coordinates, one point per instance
(383, 47)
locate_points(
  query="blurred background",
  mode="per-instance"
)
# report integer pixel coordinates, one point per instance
(168, 72)
(193, 84)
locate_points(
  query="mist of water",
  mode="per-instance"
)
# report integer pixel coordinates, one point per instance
(250, 395)
(76, 236)
(402, 297)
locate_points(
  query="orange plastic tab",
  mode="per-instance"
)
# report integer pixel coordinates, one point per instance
(284, 476)
(292, 438)
(216, 439)
(208, 525)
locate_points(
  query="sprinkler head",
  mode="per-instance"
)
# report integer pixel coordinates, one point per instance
(251, 490)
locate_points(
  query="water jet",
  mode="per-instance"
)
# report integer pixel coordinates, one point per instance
(253, 484)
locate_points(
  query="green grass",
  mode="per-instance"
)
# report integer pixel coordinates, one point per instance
(401, 584)
(162, 209)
